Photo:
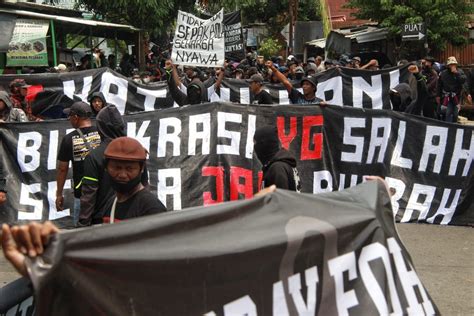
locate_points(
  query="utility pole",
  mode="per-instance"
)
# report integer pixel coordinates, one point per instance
(293, 8)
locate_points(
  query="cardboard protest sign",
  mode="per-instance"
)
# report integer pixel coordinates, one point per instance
(199, 42)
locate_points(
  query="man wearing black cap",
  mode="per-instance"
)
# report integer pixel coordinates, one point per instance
(279, 165)
(75, 147)
(256, 87)
(308, 84)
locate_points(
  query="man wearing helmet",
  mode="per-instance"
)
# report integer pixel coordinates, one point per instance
(125, 160)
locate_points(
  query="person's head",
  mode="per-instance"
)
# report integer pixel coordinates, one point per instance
(299, 73)
(256, 82)
(328, 64)
(238, 73)
(97, 101)
(428, 62)
(190, 72)
(266, 143)
(145, 77)
(18, 87)
(311, 60)
(400, 96)
(284, 70)
(78, 113)
(110, 123)
(194, 93)
(251, 71)
(61, 68)
(311, 69)
(5, 103)
(136, 78)
(356, 61)
(125, 161)
(318, 60)
(309, 86)
(280, 61)
(452, 63)
(292, 66)
(85, 61)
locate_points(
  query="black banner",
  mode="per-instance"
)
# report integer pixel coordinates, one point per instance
(341, 86)
(234, 39)
(281, 254)
(203, 154)
(16, 298)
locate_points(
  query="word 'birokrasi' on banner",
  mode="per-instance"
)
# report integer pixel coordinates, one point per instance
(199, 42)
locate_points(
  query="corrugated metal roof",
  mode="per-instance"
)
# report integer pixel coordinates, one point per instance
(320, 42)
(71, 20)
(359, 35)
(365, 34)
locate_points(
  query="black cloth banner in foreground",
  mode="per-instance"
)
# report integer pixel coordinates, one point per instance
(16, 298)
(203, 154)
(281, 254)
(343, 86)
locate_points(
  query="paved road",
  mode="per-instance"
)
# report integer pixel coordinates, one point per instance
(443, 257)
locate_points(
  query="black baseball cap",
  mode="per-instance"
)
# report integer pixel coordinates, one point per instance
(80, 109)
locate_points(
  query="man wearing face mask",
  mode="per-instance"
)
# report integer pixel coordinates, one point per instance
(145, 77)
(401, 95)
(97, 192)
(125, 160)
(279, 165)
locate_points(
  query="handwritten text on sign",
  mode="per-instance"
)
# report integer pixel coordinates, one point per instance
(199, 42)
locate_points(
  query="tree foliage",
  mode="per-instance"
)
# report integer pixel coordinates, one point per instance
(274, 13)
(445, 19)
(154, 16)
(269, 47)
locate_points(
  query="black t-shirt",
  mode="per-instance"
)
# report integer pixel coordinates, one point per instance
(96, 175)
(263, 98)
(142, 203)
(74, 149)
(297, 97)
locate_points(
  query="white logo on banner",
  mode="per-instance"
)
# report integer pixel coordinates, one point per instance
(199, 42)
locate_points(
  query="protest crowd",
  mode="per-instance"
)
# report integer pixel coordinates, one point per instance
(110, 180)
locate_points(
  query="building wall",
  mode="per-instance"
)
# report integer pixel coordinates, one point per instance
(464, 55)
(341, 17)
